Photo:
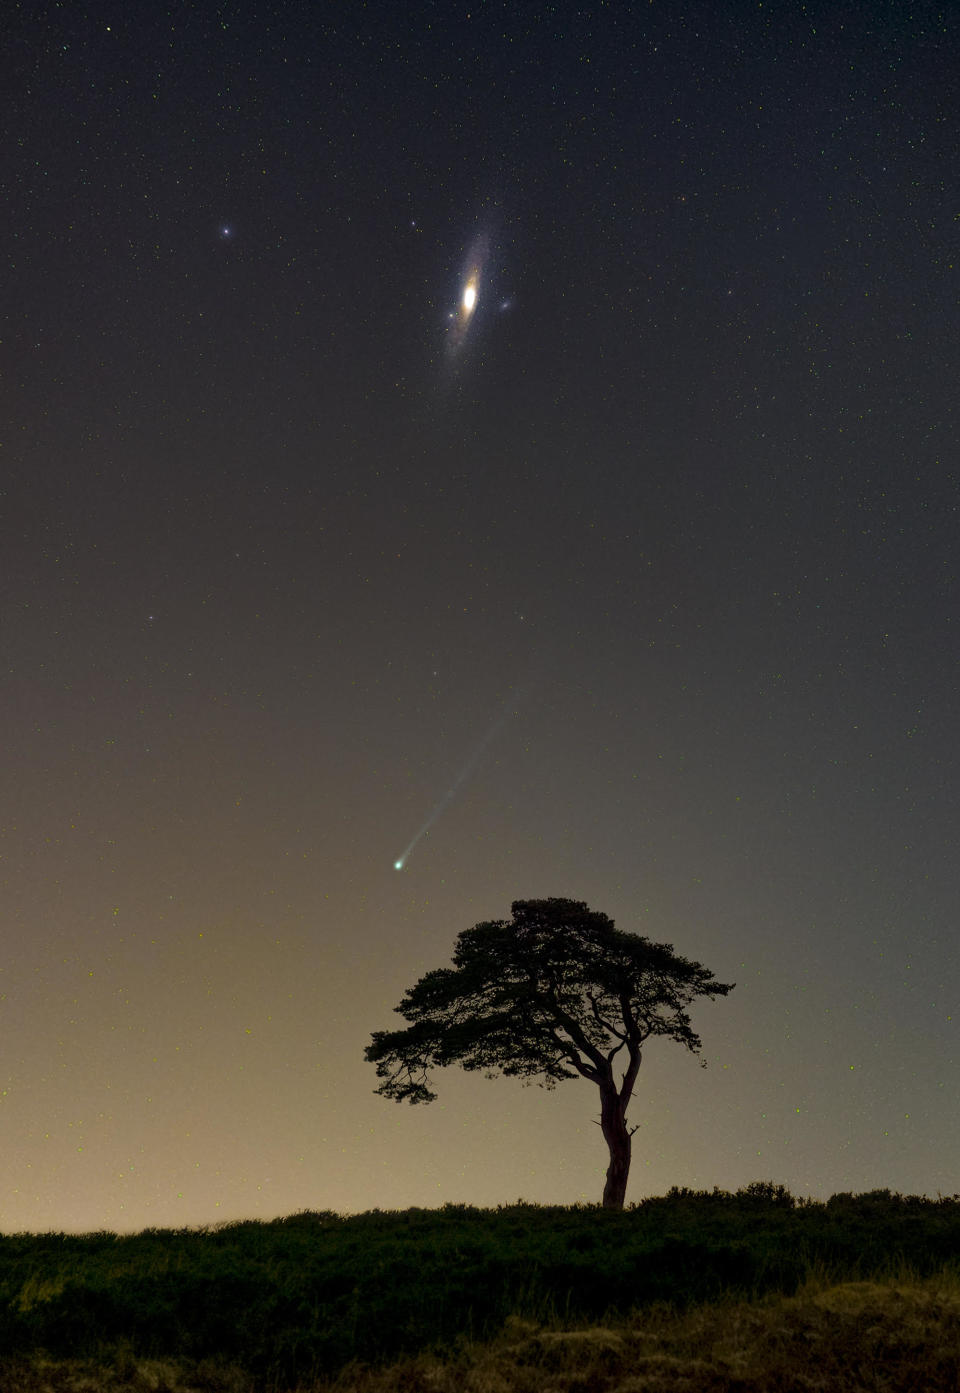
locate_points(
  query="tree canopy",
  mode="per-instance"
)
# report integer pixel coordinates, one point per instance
(553, 993)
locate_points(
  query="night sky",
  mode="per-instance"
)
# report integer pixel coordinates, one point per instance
(636, 584)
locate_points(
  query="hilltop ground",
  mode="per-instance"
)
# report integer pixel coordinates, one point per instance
(705, 1292)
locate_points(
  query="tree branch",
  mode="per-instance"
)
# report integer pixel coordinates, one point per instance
(630, 1076)
(568, 1053)
(601, 1021)
(578, 1037)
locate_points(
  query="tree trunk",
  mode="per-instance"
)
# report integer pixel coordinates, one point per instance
(617, 1136)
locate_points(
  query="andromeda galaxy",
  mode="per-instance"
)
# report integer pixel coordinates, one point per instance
(471, 293)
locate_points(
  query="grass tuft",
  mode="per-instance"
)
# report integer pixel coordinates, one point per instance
(889, 1337)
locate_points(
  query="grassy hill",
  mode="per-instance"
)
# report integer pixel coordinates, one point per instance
(434, 1298)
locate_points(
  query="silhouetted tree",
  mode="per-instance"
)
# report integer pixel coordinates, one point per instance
(554, 992)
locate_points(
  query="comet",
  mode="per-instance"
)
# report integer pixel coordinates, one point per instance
(452, 791)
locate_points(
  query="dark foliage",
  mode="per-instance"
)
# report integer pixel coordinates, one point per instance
(553, 993)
